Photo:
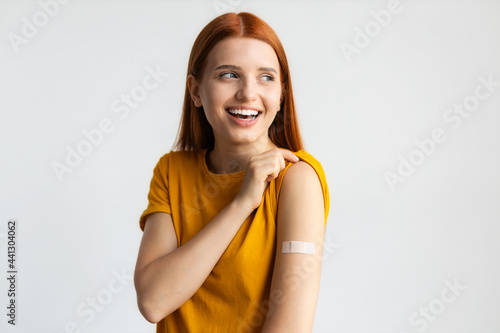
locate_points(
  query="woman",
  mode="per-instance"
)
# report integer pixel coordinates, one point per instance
(238, 187)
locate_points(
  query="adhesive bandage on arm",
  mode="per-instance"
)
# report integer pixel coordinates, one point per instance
(298, 247)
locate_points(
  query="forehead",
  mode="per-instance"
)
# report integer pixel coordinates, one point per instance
(243, 52)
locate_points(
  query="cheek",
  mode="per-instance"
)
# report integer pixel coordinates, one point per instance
(216, 97)
(273, 99)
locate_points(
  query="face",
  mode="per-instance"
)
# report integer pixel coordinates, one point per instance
(239, 74)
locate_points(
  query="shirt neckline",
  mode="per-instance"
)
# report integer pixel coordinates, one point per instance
(235, 176)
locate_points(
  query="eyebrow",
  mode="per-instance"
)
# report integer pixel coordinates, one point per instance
(268, 69)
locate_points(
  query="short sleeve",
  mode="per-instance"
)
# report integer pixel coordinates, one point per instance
(158, 197)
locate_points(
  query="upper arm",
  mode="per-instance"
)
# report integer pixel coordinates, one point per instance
(296, 276)
(158, 239)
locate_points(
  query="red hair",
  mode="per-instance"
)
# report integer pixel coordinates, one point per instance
(195, 132)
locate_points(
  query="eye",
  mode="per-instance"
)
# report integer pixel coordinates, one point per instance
(227, 75)
(268, 77)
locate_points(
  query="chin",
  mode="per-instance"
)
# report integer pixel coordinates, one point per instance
(244, 139)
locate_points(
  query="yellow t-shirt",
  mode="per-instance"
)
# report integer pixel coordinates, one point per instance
(233, 297)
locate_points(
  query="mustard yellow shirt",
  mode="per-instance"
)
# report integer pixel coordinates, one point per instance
(233, 297)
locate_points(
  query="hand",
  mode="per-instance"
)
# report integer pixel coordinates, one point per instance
(260, 170)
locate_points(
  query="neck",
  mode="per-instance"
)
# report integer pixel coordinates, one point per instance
(231, 158)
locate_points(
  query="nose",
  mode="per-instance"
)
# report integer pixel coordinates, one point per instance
(247, 90)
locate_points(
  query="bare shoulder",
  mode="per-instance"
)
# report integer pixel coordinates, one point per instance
(301, 185)
(301, 196)
(300, 172)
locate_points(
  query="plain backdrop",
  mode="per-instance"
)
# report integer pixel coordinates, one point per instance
(420, 255)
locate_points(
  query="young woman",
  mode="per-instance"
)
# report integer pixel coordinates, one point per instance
(225, 207)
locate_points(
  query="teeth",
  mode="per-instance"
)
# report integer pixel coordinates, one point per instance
(243, 112)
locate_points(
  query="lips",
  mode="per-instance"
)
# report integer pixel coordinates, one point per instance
(243, 113)
(243, 117)
(243, 107)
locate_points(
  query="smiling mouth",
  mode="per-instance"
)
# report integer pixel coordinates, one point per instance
(243, 114)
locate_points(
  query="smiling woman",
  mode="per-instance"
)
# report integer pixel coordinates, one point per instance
(237, 186)
(239, 91)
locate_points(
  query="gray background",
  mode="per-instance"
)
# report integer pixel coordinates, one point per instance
(392, 251)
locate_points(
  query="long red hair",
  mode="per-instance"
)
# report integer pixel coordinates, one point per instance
(195, 132)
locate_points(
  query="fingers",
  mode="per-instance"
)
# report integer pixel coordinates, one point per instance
(260, 170)
(273, 161)
(283, 154)
(288, 155)
(282, 163)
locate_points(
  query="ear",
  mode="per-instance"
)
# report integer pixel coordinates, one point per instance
(194, 90)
